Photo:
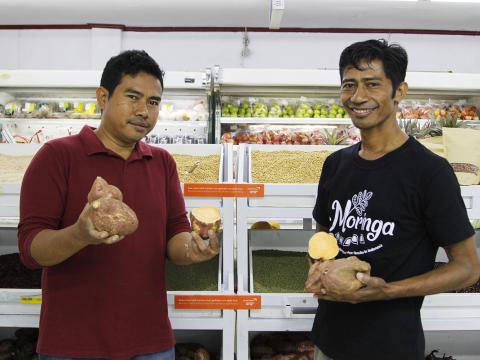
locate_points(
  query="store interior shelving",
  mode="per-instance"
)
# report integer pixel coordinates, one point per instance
(295, 311)
(14, 313)
(448, 318)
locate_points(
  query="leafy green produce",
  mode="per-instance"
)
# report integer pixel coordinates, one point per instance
(196, 277)
(277, 271)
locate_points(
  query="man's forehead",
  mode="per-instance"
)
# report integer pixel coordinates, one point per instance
(364, 66)
(141, 78)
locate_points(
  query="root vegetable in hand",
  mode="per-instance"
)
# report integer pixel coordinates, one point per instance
(205, 218)
(322, 246)
(108, 212)
(339, 277)
(101, 188)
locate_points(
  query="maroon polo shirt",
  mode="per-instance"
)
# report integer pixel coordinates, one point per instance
(106, 301)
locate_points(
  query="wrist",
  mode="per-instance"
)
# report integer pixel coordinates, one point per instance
(77, 237)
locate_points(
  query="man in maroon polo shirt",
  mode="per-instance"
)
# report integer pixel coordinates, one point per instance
(104, 295)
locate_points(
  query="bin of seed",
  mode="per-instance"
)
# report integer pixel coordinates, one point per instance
(198, 169)
(287, 166)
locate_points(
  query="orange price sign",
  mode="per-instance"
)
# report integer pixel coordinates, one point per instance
(224, 190)
(231, 302)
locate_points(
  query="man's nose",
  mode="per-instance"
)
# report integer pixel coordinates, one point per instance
(141, 109)
(360, 95)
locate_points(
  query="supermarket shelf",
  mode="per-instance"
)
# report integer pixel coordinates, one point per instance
(286, 121)
(90, 122)
(90, 79)
(9, 222)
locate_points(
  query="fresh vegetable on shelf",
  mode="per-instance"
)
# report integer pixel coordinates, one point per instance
(282, 346)
(304, 110)
(260, 110)
(265, 225)
(191, 351)
(275, 110)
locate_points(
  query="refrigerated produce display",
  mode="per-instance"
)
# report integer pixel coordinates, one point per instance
(301, 107)
(41, 105)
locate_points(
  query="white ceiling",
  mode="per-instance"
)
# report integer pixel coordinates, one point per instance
(392, 14)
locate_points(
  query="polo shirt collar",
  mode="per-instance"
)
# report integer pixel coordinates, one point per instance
(93, 145)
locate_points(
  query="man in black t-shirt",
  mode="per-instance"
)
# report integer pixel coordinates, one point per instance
(391, 202)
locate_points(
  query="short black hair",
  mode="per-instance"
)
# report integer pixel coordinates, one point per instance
(129, 62)
(393, 56)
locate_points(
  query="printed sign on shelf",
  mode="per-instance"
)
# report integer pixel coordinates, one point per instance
(224, 190)
(231, 302)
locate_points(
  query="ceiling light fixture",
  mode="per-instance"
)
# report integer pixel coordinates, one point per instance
(277, 8)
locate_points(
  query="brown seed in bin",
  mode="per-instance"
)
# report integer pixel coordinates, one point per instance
(205, 218)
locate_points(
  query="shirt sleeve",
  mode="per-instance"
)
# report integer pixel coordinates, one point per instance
(42, 197)
(177, 215)
(320, 211)
(445, 213)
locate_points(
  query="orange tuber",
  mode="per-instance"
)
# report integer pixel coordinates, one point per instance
(322, 246)
(205, 218)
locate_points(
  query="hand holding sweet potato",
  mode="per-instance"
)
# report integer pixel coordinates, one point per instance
(339, 277)
(107, 212)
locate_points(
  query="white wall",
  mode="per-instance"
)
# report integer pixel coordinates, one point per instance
(189, 51)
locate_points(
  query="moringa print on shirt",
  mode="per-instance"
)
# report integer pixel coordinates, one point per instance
(362, 229)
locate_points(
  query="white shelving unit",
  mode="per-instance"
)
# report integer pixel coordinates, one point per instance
(295, 311)
(15, 314)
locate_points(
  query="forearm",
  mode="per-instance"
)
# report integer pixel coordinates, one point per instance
(51, 247)
(178, 248)
(448, 277)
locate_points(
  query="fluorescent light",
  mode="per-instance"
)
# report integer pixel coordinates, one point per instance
(457, 1)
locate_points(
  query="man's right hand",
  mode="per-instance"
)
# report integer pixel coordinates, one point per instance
(86, 234)
(314, 281)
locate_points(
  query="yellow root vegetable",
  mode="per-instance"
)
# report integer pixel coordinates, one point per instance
(205, 218)
(265, 225)
(322, 246)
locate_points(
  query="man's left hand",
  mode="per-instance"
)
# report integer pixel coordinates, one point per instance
(374, 289)
(199, 250)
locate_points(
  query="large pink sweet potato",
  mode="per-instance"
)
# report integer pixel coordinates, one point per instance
(108, 212)
(101, 188)
(339, 276)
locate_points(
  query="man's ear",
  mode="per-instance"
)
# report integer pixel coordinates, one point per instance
(401, 92)
(102, 96)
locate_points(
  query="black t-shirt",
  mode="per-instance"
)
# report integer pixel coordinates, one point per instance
(393, 212)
